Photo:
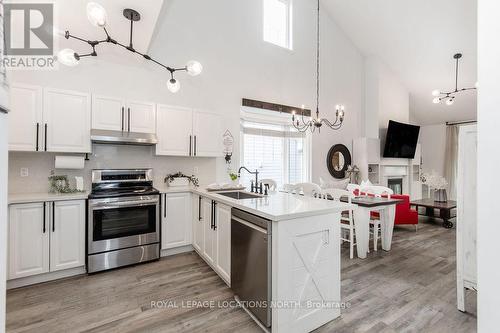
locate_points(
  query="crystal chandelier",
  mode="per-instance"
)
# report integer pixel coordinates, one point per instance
(449, 97)
(98, 17)
(302, 124)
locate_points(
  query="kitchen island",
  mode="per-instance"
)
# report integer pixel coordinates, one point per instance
(304, 258)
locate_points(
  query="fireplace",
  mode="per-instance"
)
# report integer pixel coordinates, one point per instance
(396, 185)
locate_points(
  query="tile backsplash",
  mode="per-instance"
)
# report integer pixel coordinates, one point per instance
(41, 164)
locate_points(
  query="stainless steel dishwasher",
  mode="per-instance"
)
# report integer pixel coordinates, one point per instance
(251, 263)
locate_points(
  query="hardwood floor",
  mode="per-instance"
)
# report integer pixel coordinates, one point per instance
(410, 289)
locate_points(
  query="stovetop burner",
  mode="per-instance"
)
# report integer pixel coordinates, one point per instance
(122, 183)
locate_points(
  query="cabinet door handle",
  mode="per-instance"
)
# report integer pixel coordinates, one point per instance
(215, 215)
(129, 119)
(123, 118)
(53, 217)
(165, 206)
(45, 137)
(199, 208)
(190, 144)
(37, 134)
(44, 216)
(212, 216)
(195, 145)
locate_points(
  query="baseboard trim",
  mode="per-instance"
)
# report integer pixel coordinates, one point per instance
(176, 250)
(45, 277)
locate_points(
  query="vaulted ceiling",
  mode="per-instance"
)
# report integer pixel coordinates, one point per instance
(417, 40)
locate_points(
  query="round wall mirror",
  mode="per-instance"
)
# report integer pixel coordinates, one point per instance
(337, 161)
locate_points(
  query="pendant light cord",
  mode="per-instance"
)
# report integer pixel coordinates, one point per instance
(317, 66)
(456, 76)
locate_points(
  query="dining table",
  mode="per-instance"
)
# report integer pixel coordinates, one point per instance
(364, 205)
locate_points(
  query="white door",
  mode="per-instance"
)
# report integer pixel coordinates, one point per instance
(66, 117)
(198, 222)
(141, 117)
(67, 235)
(25, 118)
(28, 239)
(207, 131)
(108, 113)
(174, 130)
(176, 221)
(210, 235)
(223, 229)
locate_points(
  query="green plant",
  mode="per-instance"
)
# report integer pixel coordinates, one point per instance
(192, 179)
(233, 176)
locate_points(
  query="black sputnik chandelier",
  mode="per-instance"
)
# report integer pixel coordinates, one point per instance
(98, 17)
(449, 96)
(312, 123)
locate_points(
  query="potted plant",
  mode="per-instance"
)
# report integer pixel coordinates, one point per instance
(436, 183)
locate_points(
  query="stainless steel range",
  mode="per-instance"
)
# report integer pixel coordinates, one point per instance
(123, 219)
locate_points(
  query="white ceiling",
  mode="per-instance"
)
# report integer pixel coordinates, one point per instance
(72, 16)
(417, 40)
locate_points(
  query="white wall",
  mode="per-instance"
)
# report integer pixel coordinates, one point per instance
(433, 142)
(488, 160)
(226, 37)
(386, 98)
(3, 216)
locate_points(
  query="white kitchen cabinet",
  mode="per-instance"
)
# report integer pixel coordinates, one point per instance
(207, 134)
(67, 235)
(173, 128)
(46, 237)
(108, 113)
(223, 231)
(198, 221)
(210, 236)
(176, 220)
(25, 118)
(186, 132)
(141, 117)
(66, 118)
(28, 239)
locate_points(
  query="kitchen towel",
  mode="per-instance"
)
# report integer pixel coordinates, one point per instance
(69, 162)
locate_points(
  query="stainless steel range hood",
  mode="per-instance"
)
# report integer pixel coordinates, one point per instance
(123, 138)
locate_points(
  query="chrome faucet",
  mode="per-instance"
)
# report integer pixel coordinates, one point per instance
(256, 173)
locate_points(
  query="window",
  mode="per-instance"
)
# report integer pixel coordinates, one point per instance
(278, 22)
(276, 150)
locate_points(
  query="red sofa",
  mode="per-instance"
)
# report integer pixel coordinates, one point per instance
(404, 215)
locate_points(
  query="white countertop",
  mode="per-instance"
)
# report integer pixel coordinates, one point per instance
(277, 206)
(17, 198)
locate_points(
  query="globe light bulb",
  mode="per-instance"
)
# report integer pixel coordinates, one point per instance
(67, 57)
(96, 14)
(436, 93)
(194, 68)
(450, 101)
(436, 100)
(173, 85)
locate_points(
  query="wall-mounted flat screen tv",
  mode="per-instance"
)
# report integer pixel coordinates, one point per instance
(401, 140)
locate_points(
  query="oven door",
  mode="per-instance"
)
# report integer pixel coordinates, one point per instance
(118, 223)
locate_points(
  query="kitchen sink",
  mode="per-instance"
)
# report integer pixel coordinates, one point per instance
(240, 195)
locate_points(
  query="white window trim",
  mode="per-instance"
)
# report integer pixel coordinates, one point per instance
(289, 22)
(264, 116)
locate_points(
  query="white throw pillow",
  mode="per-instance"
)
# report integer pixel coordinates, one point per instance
(366, 183)
(339, 184)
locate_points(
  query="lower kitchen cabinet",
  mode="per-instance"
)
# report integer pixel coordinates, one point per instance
(212, 235)
(176, 220)
(46, 237)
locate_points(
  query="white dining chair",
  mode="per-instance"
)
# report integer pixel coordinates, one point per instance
(376, 191)
(271, 184)
(309, 189)
(346, 219)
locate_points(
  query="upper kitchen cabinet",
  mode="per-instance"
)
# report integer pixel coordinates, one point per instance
(141, 117)
(25, 118)
(187, 132)
(207, 134)
(66, 116)
(115, 114)
(174, 130)
(108, 113)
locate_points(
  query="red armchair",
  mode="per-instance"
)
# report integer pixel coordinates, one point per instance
(404, 215)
